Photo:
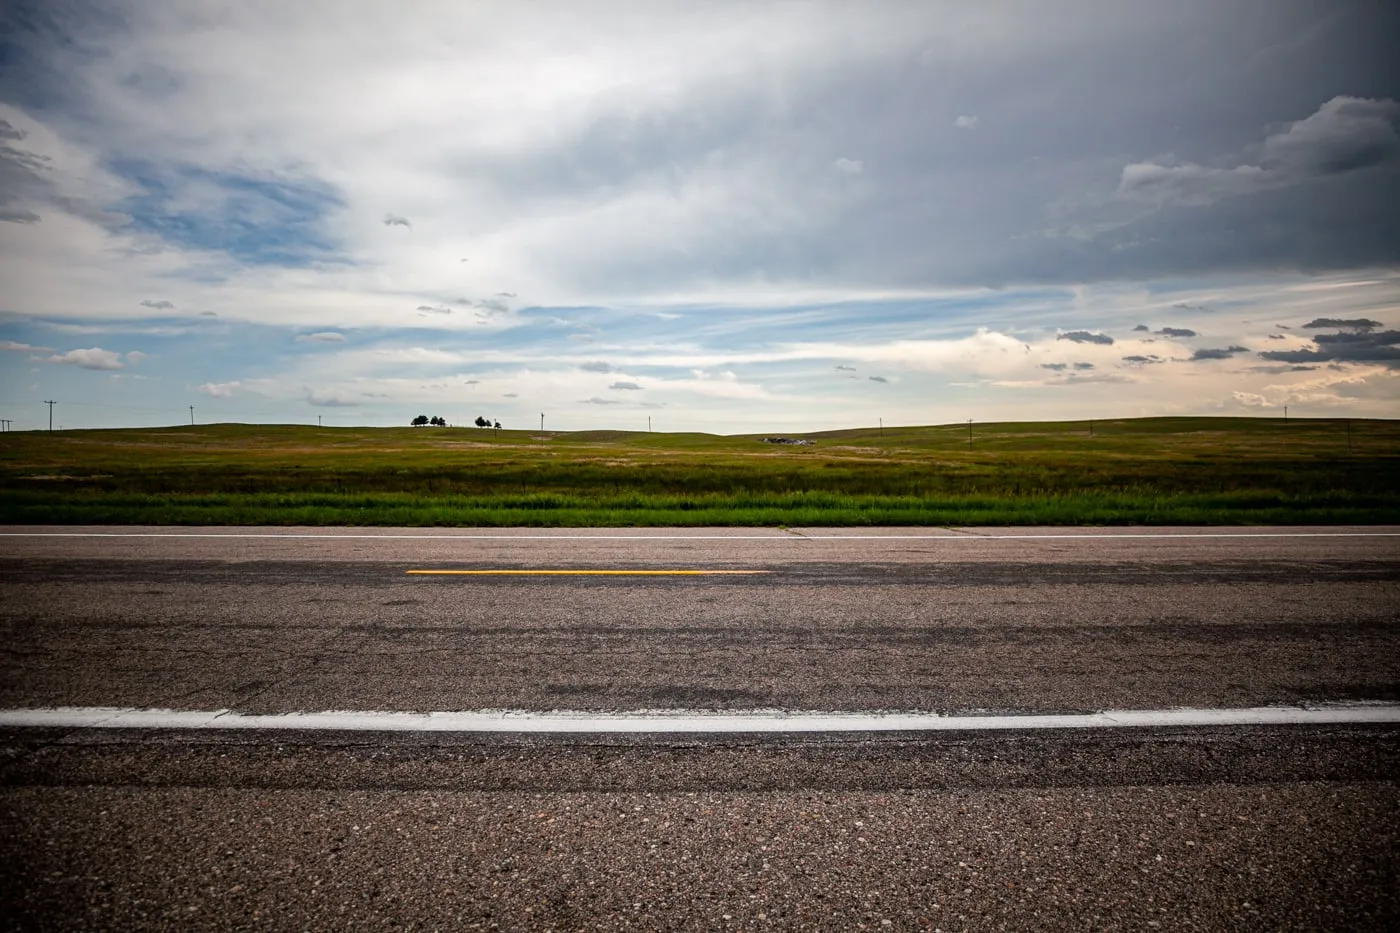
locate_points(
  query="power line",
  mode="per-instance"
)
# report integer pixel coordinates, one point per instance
(51, 404)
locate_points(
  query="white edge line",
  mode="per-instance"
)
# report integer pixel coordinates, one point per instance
(684, 721)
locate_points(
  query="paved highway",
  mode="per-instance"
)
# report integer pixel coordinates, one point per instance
(1279, 827)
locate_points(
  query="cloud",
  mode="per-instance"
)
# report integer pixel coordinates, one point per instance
(14, 347)
(434, 309)
(136, 356)
(208, 314)
(1189, 184)
(330, 399)
(325, 336)
(91, 358)
(632, 386)
(1084, 336)
(492, 306)
(1251, 400)
(600, 401)
(1055, 367)
(967, 122)
(849, 166)
(1225, 353)
(596, 366)
(1083, 366)
(1176, 332)
(1360, 325)
(161, 305)
(1356, 343)
(15, 215)
(1140, 327)
(846, 369)
(219, 389)
(8, 132)
(1140, 360)
(878, 379)
(394, 220)
(1345, 134)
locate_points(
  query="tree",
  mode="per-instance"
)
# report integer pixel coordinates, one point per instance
(419, 421)
(481, 422)
(437, 422)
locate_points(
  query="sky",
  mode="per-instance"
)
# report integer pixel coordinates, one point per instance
(728, 217)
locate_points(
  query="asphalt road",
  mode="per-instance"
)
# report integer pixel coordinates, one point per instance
(1226, 828)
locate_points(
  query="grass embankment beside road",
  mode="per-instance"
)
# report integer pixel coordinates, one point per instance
(1136, 471)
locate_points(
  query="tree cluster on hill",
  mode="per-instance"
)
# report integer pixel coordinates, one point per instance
(435, 421)
(481, 422)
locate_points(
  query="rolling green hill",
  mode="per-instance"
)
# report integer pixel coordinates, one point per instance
(1135, 471)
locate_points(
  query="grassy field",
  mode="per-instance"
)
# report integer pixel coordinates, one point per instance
(1140, 471)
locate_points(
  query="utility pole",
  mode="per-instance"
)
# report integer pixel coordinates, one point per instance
(648, 424)
(1285, 414)
(541, 422)
(191, 414)
(318, 421)
(882, 427)
(969, 432)
(51, 405)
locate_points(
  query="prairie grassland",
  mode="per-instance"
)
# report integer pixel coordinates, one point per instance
(1137, 471)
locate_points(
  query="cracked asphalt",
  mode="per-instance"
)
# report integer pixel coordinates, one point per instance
(1208, 829)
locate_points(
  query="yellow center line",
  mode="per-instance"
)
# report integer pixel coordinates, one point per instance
(584, 573)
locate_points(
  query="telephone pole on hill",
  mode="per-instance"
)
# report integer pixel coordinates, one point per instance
(191, 414)
(51, 405)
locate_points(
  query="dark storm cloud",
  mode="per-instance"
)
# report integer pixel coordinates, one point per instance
(1037, 193)
(1224, 353)
(1084, 336)
(1359, 345)
(1363, 325)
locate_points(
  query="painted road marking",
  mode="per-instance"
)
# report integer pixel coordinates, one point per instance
(687, 721)
(581, 573)
(775, 536)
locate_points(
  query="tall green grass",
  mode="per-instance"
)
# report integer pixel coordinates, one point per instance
(1149, 471)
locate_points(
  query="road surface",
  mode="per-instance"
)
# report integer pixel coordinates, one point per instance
(1219, 827)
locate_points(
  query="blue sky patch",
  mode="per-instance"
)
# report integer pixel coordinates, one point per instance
(256, 220)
